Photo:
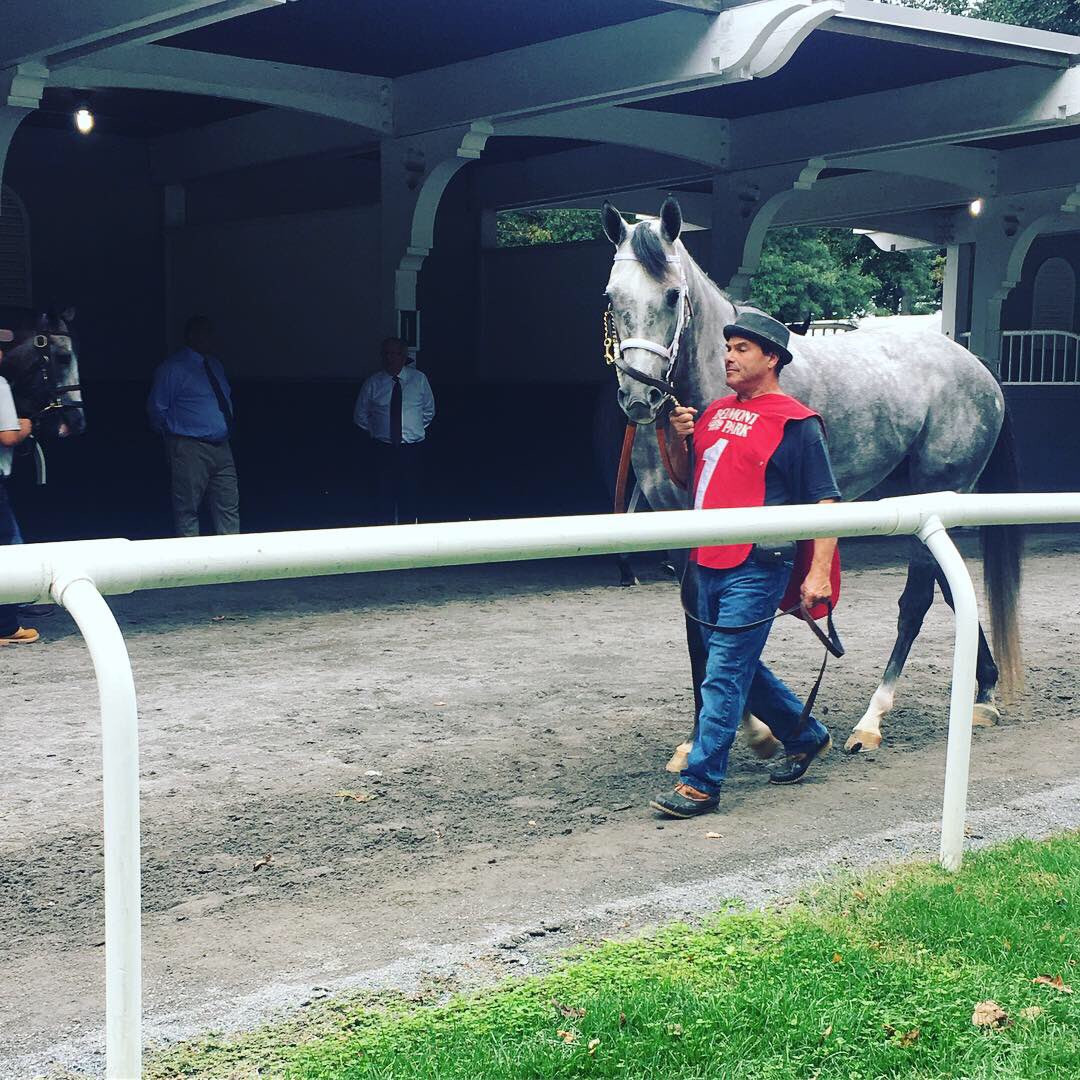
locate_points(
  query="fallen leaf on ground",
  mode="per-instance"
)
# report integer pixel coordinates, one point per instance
(1057, 983)
(1031, 1012)
(266, 860)
(712, 836)
(567, 1036)
(622, 1019)
(593, 1044)
(568, 1010)
(989, 1014)
(909, 1037)
(356, 796)
(837, 958)
(826, 1033)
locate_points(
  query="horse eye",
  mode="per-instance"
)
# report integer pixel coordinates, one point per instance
(672, 297)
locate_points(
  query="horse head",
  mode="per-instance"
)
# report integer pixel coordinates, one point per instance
(44, 375)
(648, 307)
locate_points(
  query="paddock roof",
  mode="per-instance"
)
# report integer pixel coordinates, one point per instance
(866, 48)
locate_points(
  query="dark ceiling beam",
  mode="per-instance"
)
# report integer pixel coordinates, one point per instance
(643, 59)
(38, 32)
(992, 103)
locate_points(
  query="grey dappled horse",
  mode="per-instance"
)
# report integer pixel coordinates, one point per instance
(906, 411)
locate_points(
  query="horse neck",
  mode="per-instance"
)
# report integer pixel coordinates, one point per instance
(700, 376)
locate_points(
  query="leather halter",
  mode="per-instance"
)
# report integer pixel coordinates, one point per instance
(616, 346)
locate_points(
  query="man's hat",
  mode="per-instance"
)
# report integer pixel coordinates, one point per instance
(771, 335)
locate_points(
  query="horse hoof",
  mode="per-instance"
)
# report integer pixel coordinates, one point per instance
(627, 582)
(679, 758)
(862, 742)
(766, 747)
(983, 714)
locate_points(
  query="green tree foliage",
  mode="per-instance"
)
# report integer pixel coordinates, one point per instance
(1060, 15)
(524, 228)
(836, 274)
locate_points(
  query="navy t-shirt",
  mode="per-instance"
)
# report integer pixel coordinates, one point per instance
(800, 471)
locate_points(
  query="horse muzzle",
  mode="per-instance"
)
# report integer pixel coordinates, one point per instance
(641, 405)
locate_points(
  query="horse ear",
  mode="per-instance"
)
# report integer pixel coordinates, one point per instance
(670, 220)
(614, 226)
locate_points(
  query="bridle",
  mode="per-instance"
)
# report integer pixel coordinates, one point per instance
(614, 346)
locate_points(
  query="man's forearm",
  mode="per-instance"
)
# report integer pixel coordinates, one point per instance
(824, 548)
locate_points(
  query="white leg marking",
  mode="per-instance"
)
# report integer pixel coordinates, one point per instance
(759, 736)
(867, 733)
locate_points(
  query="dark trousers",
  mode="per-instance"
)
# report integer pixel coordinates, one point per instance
(399, 475)
(202, 470)
(9, 534)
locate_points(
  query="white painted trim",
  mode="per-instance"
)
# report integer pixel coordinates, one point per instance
(360, 99)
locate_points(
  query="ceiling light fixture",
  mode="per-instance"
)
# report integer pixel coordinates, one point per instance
(976, 206)
(84, 120)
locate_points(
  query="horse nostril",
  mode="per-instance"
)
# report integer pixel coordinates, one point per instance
(655, 396)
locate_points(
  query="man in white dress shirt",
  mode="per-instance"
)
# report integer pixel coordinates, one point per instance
(394, 407)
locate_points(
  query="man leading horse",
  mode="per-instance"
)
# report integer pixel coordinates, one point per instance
(755, 447)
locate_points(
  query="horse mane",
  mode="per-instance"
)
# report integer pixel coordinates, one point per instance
(649, 251)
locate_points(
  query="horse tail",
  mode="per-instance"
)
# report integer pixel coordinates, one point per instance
(1002, 552)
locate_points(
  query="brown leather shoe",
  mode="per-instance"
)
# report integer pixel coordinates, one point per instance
(24, 635)
(684, 802)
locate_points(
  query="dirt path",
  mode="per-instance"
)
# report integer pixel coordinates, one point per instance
(511, 723)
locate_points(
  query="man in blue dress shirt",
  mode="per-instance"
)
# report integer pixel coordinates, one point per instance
(394, 407)
(190, 404)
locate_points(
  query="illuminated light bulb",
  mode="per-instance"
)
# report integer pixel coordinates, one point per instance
(84, 120)
(975, 207)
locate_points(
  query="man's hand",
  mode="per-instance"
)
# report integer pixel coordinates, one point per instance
(816, 587)
(681, 420)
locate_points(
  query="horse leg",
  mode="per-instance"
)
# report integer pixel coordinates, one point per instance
(984, 712)
(914, 603)
(695, 643)
(627, 576)
(759, 736)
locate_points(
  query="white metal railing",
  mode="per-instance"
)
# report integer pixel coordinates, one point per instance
(1040, 358)
(77, 574)
(823, 327)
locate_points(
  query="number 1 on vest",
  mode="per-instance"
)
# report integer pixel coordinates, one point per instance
(708, 467)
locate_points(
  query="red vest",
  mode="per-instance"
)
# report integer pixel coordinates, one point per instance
(733, 443)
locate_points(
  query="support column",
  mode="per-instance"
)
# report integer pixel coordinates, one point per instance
(414, 173)
(991, 284)
(956, 291)
(20, 93)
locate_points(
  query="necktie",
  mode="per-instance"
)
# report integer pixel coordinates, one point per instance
(395, 413)
(222, 400)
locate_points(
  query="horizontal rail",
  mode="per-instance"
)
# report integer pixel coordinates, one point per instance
(125, 566)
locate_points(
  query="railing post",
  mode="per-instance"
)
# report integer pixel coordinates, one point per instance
(120, 780)
(965, 652)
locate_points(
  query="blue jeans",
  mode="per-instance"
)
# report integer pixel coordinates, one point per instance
(9, 534)
(735, 678)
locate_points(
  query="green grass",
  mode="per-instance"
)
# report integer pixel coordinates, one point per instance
(877, 977)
